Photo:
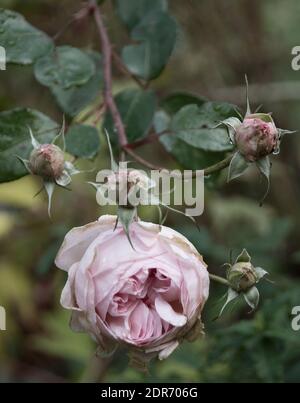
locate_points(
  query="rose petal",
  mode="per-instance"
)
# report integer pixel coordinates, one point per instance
(75, 244)
(168, 350)
(167, 313)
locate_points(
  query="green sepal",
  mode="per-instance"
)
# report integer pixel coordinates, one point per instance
(238, 165)
(264, 166)
(243, 257)
(114, 165)
(252, 297)
(231, 295)
(126, 216)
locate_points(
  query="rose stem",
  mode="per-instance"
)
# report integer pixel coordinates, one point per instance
(111, 105)
(207, 171)
(107, 58)
(219, 280)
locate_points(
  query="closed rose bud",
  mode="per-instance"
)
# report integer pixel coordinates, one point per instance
(126, 183)
(242, 276)
(47, 161)
(148, 298)
(256, 138)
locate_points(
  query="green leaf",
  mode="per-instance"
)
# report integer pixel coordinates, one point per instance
(137, 111)
(156, 36)
(161, 121)
(174, 102)
(65, 67)
(237, 167)
(243, 257)
(132, 12)
(23, 43)
(252, 297)
(196, 126)
(82, 141)
(74, 99)
(189, 157)
(15, 139)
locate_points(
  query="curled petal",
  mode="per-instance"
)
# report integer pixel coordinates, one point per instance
(167, 313)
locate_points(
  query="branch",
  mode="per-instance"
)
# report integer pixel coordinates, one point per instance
(207, 171)
(107, 58)
(81, 14)
(112, 107)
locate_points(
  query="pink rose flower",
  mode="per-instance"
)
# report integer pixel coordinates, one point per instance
(149, 298)
(256, 138)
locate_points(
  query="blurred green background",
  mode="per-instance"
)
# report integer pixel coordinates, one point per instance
(219, 41)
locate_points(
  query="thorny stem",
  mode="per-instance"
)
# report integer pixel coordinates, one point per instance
(107, 58)
(112, 107)
(207, 171)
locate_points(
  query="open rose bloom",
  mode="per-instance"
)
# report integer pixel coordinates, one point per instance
(149, 298)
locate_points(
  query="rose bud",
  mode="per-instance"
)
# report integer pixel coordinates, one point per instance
(127, 187)
(242, 276)
(47, 161)
(256, 138)
(148, 298)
